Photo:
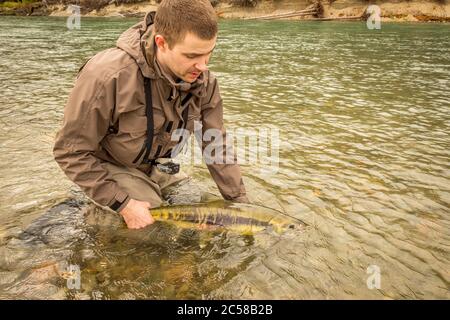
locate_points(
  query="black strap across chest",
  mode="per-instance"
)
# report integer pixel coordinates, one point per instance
(147, 147)
(149, 114)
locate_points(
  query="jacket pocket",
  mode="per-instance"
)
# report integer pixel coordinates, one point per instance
(133, 124)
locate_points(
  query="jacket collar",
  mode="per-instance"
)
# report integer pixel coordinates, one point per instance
(139, 42)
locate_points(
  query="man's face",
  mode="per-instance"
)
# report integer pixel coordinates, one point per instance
(188, 58)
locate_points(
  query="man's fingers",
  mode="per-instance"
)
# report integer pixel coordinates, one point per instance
(143, 223)
(140, 218)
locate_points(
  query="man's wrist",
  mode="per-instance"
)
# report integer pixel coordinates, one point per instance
(120, 201)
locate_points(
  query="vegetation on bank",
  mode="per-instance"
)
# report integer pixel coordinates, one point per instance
(41, 7)
(401, 10)
(90, 5)
(94, 4)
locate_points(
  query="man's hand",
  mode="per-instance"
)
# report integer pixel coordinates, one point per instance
(136, 214)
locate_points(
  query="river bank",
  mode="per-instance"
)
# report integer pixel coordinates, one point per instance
(437, 11)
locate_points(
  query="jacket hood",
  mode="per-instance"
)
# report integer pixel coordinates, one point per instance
(138, 42)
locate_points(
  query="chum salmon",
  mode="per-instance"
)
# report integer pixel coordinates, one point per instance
(240, 217)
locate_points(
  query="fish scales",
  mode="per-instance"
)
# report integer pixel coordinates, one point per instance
(245, 218)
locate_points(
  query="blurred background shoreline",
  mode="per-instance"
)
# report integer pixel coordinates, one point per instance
(394, 10)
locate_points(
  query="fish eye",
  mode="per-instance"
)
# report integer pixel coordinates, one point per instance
(291, 226)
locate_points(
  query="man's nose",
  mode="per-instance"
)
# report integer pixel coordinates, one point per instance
(202, 67)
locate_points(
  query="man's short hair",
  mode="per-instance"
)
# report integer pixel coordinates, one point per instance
(175, 18)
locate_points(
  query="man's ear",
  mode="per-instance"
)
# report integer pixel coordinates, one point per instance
(161, 42)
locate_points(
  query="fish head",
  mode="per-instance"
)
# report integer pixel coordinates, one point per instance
(281, 224)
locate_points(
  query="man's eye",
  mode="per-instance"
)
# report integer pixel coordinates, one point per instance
(191, 57)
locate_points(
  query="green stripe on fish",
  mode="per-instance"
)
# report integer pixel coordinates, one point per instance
(239, 217)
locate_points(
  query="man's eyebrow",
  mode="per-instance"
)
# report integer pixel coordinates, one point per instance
(198, 54)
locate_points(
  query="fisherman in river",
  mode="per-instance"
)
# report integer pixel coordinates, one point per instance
(117, 137)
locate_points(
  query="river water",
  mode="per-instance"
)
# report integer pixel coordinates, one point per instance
(363, 119)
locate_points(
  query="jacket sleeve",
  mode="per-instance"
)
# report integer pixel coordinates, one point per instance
(86, 121)
(224, 169)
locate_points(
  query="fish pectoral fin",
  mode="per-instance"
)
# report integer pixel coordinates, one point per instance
(202, 226)
(209, 197)
(207, 227)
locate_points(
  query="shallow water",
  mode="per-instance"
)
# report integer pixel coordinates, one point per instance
(363, 120)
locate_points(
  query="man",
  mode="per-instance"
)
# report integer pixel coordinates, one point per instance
(128, 100)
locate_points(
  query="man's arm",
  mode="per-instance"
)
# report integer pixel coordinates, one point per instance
(227, 174)
(86, 121)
